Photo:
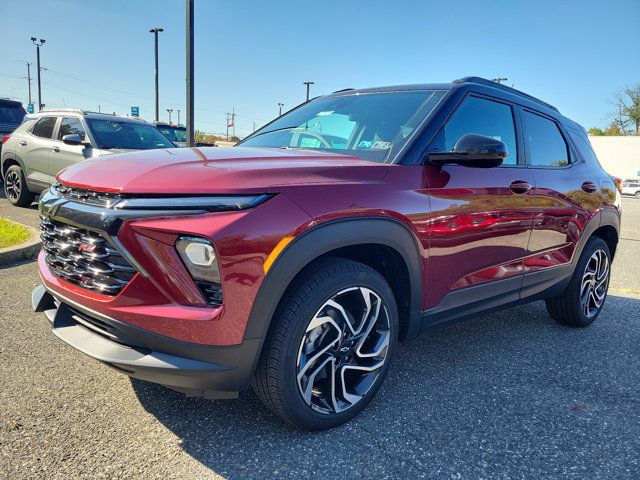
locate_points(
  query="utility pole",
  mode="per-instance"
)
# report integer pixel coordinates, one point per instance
(280, 105)
(254, 126)
(38, 44)
(29, 79)
(191, 142)
(233, 122)
(227, 123)
(169, 110)
(155, 32)
(178, 117)
(308, 84)
(99, 109)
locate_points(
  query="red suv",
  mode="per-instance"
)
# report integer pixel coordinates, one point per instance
(298, 260)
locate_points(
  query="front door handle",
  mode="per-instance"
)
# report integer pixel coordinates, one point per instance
(520, 186)
(23, 143)
(55, 148)
(589, 187)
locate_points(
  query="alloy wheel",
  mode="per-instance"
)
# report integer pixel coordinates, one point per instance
(13, 185)
(595, 282)
(343, 350)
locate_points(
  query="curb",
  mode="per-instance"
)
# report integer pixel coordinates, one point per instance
(23, 251)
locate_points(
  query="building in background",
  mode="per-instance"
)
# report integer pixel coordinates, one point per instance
(620, 156)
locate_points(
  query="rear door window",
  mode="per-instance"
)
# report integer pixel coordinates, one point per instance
(544, 143)
(44, 127)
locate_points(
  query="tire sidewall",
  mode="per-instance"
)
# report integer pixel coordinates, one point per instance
(594, 243)
(297, 407)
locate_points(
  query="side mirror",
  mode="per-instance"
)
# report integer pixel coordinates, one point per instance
(72, 139)
(472, 150)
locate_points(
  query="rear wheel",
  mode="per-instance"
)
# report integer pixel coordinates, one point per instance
(581, 303)
(637, 195)
(331, 346)
(15, 187)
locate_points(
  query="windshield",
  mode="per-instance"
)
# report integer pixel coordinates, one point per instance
(372, 126)
(127, 135)
(175, 134)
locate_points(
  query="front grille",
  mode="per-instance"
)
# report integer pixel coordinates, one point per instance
(84, 258)
(90, 197)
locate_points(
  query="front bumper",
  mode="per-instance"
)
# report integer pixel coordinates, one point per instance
(194, 369)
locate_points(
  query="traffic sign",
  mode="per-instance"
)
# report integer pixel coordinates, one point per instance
(135, 111)
(30, 108)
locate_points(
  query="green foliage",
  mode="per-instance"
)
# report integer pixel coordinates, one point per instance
(12, 233)
(628, 103)
(614, 130)
(596, 131)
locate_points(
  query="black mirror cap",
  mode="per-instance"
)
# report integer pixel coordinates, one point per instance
(72, 139)
(473, 150)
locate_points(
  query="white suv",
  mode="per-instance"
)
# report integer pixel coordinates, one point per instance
(631, 187)
(52, 140)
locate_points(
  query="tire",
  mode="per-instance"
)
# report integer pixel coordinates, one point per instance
(590, 280)
(293, 376)
(15, 187)
(637, 195)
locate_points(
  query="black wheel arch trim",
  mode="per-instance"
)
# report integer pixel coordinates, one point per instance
(325, 238)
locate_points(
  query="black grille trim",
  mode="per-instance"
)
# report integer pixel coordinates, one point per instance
(212, 293)
(84, 258)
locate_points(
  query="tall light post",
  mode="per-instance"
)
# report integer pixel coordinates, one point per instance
(38, 44)
(178, 117)
(308, 84)
(29, 80)
(280, 105)
(169, 110)
(155, 32)
(191, 141)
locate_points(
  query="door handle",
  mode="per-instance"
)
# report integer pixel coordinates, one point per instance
(23, 143)
(520, 186)
(55, 148)
(589, 187)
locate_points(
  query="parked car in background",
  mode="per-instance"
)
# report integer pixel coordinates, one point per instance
(631, 187)
(296, 261)
(11, 115)
(52, 140)
(178, 134)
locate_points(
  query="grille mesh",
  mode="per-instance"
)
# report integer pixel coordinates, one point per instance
(84, 258)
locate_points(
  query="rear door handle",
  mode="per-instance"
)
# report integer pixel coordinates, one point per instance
(589, 187)
(23, 143)
(55, 148)
(520, 186)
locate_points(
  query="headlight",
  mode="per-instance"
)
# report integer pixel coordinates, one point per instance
(199, 257)
(209, 203)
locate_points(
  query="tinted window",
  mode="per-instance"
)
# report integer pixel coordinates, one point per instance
(44, 127)
(372, 126)
(11, 115)
(175, 134)
(71, 126)
(584, 147)
(127, 135)
(544, 142)
(482, 117)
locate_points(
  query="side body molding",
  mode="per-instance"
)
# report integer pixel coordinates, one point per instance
(323, 239)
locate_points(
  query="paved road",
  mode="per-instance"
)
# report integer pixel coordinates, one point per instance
(507, 395)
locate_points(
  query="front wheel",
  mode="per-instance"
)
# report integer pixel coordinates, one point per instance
(582, 301)
(331, 345)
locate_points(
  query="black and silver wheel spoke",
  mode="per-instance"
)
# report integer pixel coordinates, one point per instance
(13, 185)
(595, 282)
(343, 350)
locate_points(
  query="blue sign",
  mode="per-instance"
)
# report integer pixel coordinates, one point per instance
(30, 108)
(135, 111)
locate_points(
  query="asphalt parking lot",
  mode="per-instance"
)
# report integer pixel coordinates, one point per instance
(507, 395)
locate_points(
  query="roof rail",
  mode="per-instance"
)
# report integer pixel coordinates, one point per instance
(344, 90)
(490, 83)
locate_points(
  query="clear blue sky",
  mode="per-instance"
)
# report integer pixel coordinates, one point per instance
(253, 54)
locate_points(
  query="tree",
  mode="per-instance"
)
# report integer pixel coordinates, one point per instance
(628, 103)
(596, 131)
(614, 130)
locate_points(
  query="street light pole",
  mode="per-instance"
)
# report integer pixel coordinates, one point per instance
(169, 110)
(280, 105)
(178, 117)
(155, 32)
(191, 141)
(308, 84)
(38, 44)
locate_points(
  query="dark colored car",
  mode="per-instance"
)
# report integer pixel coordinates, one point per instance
(11, 115)
(298, 260)
(178, 134)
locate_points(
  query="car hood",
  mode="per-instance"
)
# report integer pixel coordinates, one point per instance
(216, 170)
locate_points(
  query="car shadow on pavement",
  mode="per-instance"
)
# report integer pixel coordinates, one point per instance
(511, 394)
